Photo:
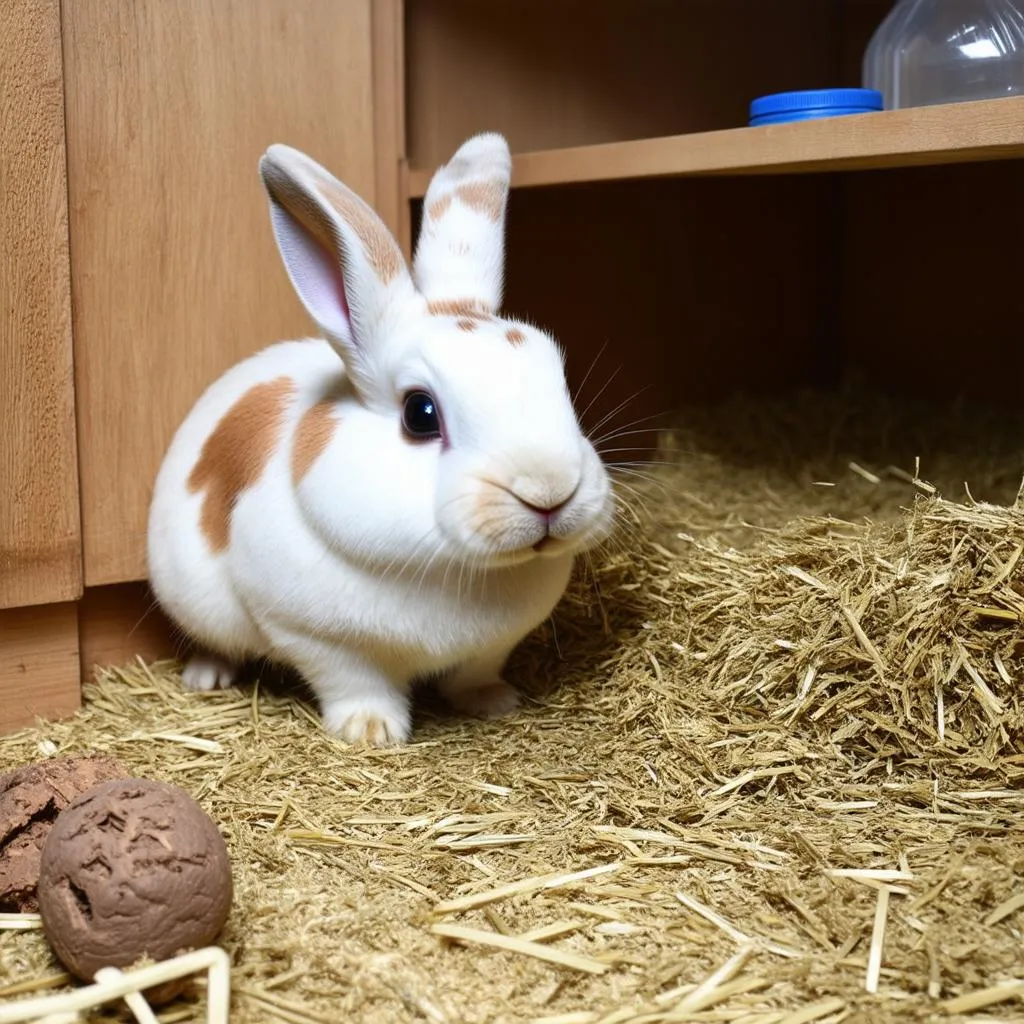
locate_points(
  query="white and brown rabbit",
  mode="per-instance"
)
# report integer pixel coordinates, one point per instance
(400, 501)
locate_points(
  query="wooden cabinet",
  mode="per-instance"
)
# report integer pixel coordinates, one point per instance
(40, 557)
(40, 535)
(646, 219)
(176, 277)
(136, 264)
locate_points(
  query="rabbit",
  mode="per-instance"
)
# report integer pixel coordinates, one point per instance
(400, 500)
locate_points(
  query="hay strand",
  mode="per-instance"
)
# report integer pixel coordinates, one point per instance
(814, 1012)
(20, 922)
(523, 886)
(877, 940)
(1005, 909)
(708, 992)
(515, 944)
(985, 997)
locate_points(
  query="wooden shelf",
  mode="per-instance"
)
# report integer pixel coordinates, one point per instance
(951, 133)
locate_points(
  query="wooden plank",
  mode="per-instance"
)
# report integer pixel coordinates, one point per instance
(174, 271)
(389, 112)
(985, 130)
(40, 537)
(929, 301)
(39, 672)
(121, 623)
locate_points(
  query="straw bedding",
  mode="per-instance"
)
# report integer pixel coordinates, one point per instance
(769, 769)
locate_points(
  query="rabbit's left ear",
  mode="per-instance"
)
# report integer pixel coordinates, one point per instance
(460, 257)
(342, 260)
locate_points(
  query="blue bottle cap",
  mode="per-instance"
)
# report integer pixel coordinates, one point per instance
(809, 103)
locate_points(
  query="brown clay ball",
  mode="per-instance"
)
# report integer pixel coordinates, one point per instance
(132, 869)
(31, 798)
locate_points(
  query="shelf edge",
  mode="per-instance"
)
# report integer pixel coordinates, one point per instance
(983, 130)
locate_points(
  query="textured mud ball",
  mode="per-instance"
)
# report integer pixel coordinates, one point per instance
(30, 800)
(133, 869)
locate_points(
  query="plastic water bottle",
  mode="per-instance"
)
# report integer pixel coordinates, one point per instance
(947, 51)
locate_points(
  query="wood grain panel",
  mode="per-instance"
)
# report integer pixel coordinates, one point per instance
(40, 543)
(389, 112)
(175, 275)
(931, 276)
(121, 623)
(39, 672)
(579, 72)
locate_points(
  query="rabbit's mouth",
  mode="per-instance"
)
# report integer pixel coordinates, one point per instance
(497, 521)
(554, 546)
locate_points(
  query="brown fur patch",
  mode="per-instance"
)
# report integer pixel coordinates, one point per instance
(236, 453)
(313, 435)
(471, 308)
(466, 325)
(382, 252)
(439, 207)
(515, 336)
(380, 249)
(485, 196)
(376, 732)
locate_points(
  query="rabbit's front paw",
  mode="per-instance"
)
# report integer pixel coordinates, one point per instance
(206, 672)
(488, 700)
(358, 723)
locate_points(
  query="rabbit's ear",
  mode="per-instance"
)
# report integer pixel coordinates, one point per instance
(460, 256)
(341, 259)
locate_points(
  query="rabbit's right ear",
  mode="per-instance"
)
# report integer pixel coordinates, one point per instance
(344, 263)
(460, 257)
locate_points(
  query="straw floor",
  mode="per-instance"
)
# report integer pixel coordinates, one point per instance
(769, 768)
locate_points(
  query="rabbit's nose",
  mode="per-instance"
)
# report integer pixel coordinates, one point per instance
(541, 497)
(546, 512)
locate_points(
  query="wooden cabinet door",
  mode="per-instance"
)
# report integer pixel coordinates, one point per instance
(40, 543)
(174, 271)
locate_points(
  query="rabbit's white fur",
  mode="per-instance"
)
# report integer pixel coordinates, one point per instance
(291, 519)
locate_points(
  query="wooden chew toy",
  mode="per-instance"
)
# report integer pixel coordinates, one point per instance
(112, 984)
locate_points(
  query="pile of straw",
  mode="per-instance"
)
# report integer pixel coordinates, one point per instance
(769, 769)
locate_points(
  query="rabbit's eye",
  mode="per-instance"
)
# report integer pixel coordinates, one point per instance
(420, 417)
